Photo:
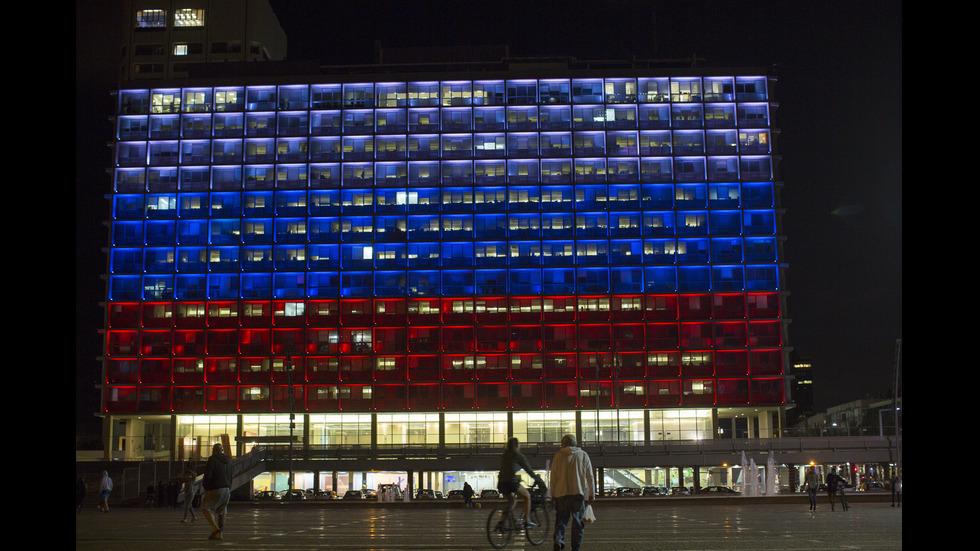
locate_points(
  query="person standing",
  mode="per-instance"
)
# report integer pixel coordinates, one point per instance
(811, 488)
(468, 494)
(79, 493)
(105, 488)
(189, 490)
(217, 490)
(897, 490)
(834, 484)
(572, 488)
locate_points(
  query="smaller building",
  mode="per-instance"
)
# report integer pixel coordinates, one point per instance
(865, 417)
(162, 39)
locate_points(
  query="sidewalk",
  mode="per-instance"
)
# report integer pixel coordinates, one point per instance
(721, 524)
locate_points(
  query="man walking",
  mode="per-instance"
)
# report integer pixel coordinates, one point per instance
(811, 487)
(217, 490)
(572, 487)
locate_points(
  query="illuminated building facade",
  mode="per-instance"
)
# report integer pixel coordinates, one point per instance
(464, 257)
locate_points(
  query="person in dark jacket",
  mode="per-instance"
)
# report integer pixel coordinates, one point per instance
(217, 490)
(835, 483)
(79, 493)
(509, 479)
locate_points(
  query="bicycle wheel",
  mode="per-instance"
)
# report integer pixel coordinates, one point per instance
(537, 534)
(499, 528)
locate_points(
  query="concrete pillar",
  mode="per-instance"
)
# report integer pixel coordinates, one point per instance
(173, 438)
(646, 434)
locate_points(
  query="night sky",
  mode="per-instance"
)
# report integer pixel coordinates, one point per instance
(839, 65)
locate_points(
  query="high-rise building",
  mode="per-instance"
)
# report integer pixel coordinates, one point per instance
(163, 38)
(451, 258)
(802, 389)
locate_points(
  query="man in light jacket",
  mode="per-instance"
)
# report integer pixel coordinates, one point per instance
(572, 488)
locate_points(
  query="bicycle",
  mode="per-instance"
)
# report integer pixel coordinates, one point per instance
(501, 524)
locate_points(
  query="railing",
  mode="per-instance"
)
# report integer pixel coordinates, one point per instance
(673, 448)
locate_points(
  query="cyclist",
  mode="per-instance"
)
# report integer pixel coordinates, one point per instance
(509, 480)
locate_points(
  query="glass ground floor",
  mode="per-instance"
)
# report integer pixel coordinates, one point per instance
(189, 437)
(744, 478)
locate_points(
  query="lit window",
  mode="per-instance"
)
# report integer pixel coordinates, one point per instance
(180, 49)
(188, 17)
(151, 19)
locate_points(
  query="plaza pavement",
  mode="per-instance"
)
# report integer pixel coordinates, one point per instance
(623, 524)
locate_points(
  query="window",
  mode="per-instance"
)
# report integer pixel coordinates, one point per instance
(151, 19)
(189, 17)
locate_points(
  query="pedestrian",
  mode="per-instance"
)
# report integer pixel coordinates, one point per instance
(105, 488)
(897, 490)
(217, 490)
(80, 492)
(811, 488)
(834, 484)
(468, 494)
(173, 492)
(150, 493)
(572, 489)
(189, 491)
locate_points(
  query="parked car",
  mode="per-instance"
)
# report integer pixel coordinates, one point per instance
(425, 493)
(717, 490)
(680, 491)
(325, 494)
(439, 495)
(353, 494)
(624, 491)
(872, 486)
(652, 491)
(455, 494)
(293, 495)
(371, 494)
(267, 495)
(489, 494)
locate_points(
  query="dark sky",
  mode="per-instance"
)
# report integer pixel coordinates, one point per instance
(840, 120)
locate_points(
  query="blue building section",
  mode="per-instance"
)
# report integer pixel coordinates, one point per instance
(471, 206)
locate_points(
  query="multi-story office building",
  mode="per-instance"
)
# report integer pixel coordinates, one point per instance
(445, 259)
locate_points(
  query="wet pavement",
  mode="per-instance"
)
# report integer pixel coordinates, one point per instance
(720, 524)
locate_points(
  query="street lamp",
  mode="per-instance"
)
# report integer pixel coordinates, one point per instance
(292, 413)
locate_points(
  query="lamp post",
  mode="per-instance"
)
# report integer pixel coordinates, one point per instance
(898, 363)
(292, 413)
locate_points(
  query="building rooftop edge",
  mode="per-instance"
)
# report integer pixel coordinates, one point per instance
(511, 67)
